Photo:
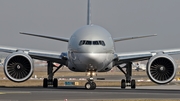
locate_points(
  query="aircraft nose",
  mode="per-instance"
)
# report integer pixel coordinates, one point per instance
(92, 60)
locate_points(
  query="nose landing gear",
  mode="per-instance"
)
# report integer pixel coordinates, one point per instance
(90, 85)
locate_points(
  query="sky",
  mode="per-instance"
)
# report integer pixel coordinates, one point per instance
(63, 17)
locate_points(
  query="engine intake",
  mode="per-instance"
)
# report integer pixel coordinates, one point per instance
(161, 69)
(18, 67)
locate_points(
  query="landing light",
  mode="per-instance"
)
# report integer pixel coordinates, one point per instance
(88, 73)
(91, 73)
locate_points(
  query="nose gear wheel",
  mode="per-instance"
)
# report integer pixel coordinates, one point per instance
(90, 85)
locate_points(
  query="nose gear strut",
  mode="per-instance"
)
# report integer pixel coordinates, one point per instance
(90, 85)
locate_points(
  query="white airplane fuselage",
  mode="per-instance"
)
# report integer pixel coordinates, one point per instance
(91, 48)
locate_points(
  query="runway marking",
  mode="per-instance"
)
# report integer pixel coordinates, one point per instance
(15, 93)
(2, 93)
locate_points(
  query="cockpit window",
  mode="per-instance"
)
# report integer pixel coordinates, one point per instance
(82, 42)
(102, 43)
(94, 42)
(88, 42)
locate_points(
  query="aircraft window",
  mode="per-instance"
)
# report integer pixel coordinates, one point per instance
(102, 43)
(95, 43)
(88, 42)
(82, 42)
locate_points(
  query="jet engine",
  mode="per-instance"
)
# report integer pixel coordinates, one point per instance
(18, 67)
(161, 69)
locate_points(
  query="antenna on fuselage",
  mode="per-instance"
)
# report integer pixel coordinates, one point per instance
(89, 12)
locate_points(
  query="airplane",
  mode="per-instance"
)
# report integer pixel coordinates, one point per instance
(139, 66)
(90, 49)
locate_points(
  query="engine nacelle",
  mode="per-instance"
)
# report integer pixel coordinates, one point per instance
(161, 69)
(18, 67)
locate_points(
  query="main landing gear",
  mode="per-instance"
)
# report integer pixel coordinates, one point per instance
(50, 80)
(90, 85)
(128, 82)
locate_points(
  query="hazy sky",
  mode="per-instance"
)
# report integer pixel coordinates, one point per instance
(63, 17)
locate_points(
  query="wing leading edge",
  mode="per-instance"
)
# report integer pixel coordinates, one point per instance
(48, 37)
(41, 55)
(132, 37)
(139, 56)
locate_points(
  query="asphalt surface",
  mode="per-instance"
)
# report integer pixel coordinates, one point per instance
(109, 77)
(81, 94)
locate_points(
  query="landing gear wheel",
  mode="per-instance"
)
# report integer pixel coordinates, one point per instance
(45, 83)
(55, 83)
(93, 85)
(90, 85)
(133, 84)
(123, 84)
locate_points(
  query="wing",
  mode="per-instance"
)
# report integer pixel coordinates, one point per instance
(48, 37)
(132, 37)
(40, 55)
(139, 56)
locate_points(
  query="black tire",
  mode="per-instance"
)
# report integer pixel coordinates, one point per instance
(93, 85)
(55, 83)
(133, 84)
(88, 85)
(45, 83)
(123, 84)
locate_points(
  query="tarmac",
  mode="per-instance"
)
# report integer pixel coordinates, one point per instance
(72, 93)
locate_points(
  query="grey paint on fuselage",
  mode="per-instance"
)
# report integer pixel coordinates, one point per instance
(91, 57)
